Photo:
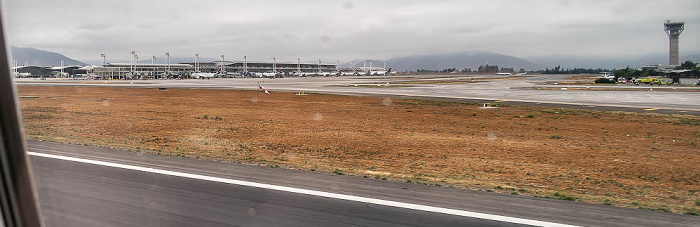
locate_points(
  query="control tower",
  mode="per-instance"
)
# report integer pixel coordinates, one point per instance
(674, 30)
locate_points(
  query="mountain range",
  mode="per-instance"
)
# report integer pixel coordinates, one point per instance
(459, 60)
(37, 57)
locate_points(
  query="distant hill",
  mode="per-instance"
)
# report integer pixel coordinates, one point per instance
(460, 60)
(41, 58)
(364, 62)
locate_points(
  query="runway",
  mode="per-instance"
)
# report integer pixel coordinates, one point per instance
(509, 91)
(89, 186)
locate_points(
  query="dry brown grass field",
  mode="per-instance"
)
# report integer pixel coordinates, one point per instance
(646, 161)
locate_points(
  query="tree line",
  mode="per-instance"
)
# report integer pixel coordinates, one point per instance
(481, 69)
(626, 72)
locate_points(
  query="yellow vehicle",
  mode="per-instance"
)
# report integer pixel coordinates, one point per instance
(653, 80)
(647, 80)
(665, 81)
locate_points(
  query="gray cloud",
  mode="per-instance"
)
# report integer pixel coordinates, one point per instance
(347, 30)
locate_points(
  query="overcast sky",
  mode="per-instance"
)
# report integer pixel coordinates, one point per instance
(347, 30)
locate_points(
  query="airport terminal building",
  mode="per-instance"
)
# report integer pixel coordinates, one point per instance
(184, 70)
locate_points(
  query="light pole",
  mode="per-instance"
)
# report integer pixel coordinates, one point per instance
(196, 62)
(153, 62)
(136, 62)
(299, 65)
(167, 69)
(133, 58)
(245, 65)
(223, 65)
(61, 68)
(274, 65)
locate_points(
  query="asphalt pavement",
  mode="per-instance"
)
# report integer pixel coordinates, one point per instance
(143, 189)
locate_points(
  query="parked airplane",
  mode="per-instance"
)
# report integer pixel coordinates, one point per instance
(278, 74)
(378, 72)
(607, 75)
(203, 75)
(383, 73)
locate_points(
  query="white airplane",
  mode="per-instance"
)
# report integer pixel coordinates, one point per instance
(321, 73)
(345, 73)
(378, 72)
(503, 74)
(607, 75)
(203, 75)
(303, 74)
(382, 73)
(270, 75)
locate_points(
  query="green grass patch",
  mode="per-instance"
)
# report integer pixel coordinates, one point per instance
(662, 209)
(338, 171)
(607, 202)
(562, 196)
(687, 121)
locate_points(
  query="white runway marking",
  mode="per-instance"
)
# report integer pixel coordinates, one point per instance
(308, 192)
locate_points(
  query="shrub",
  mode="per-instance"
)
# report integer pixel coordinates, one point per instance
(337, 171)
(662, 209)
(556, 136)
(604, 81)
(563, 196)
(607, 202)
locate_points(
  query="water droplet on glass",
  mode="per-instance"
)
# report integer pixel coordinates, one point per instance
(386, 101)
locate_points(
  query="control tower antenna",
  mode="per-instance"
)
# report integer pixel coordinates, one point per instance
(673, 30)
